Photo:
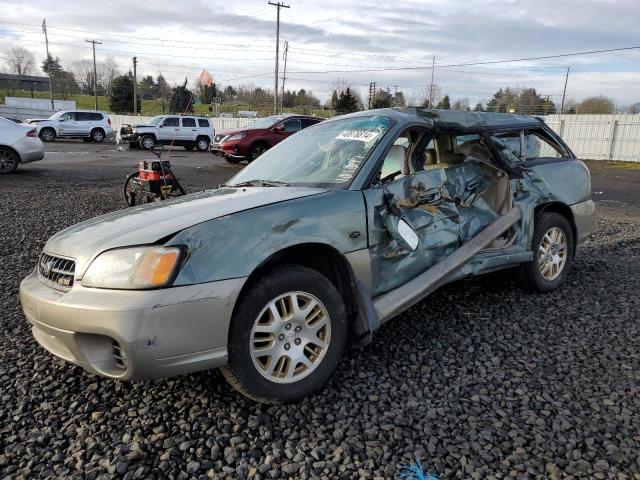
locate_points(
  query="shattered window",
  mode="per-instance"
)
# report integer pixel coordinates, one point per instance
(328, 154)
(520, 146)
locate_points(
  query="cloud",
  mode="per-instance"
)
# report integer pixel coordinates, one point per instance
(236, 39)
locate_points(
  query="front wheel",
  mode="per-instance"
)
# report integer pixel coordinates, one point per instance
(147, 142)
(47, 135)
(552, 247)
(287, 335)
(256, 150)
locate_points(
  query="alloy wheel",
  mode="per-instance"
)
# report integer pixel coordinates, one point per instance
(290, 337)
(8, 161)
(552, 253)
(203, 145)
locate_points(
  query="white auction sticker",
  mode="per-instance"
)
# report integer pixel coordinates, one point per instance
(362, 135)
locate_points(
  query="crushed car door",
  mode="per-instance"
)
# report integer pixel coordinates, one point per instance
(422, 202)
(446, 198)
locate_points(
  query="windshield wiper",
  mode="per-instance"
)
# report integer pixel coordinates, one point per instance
(258, 183)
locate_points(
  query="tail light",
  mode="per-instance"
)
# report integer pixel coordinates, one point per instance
(32, 133)
(109, 120)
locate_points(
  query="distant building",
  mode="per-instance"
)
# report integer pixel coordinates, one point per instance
(24, 82)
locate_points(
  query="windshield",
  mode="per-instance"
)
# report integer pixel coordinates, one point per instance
(327, 154)
(155, 120)
(263, 123)
(56, 115)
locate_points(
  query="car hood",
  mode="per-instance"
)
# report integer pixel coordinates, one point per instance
(148, 224)
(232, 131)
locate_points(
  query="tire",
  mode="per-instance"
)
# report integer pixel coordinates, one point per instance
(9, 160)
(250, 374)
(47, 134)
(97, 135)
(202, 144)
(552, 234)
(147, 142)
(256, 150)
(188, 147)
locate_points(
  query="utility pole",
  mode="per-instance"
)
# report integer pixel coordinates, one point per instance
(95, 71)
(433, 69)
(372, 93)
(46, 42)
(564, 92)
(284, 73)
(278, 6)
(135, 86)
(395, 95)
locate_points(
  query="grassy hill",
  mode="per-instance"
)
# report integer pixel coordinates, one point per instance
(155, 107)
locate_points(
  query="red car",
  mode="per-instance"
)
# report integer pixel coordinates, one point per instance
(249, 142)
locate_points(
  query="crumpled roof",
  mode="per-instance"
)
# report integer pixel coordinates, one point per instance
(455, 119)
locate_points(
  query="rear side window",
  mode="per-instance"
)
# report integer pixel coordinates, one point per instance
(188, 122)
(203, 122)
(519, 146)
(171, 122)
(307, 122)
(88, 116)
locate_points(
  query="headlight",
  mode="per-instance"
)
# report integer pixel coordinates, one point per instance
(237, 136)
(135, 268)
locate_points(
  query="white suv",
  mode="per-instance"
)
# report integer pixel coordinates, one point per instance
(187, 131)
(90, 125)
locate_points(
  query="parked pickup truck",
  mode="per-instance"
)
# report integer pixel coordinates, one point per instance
(186, 131)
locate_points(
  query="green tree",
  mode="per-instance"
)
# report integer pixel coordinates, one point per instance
(334, 100)
(445, 103)
(62, 81)
(181, 100)
(479, 107)
(121, 99)
(382, 99)
(347, 102)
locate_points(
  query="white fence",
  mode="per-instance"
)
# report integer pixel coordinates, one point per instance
(219, 123)
(600, 137)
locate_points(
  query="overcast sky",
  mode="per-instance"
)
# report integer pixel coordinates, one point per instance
(235, 41)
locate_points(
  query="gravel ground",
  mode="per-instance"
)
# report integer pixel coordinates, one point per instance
(482, 380)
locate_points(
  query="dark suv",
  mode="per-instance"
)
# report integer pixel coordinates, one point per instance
(249, 142)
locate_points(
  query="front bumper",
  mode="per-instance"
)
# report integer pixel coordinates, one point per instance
(228, 149)
(132, 335)
(584, 216)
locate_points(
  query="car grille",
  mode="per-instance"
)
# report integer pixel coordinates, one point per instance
(56, 271)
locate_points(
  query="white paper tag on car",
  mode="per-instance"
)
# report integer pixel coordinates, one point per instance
(361, 135)
(408, 235)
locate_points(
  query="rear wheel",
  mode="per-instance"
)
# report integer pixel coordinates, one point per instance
(256, 150)
(552, 247)
(287, 335)
(9, 160)
(202, 143)
(97, 135)
(47, 134)
(133, 192)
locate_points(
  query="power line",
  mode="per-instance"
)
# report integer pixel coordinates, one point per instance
(278, 6)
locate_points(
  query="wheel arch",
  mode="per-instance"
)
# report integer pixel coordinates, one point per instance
(564, 210)
(8, 147)
(328, 261)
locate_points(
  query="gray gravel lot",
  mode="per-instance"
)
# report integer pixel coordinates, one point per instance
(484, 379)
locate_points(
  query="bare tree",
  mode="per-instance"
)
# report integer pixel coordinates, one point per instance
(83, 71)
(107, 71)
(599, 104)
(20, 60)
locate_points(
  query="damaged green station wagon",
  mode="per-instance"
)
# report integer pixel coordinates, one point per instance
(318, 242)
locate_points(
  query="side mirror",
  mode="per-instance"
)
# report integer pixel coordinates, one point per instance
(161, 125)
(402, 232)
(278, 128)
(61, 120)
